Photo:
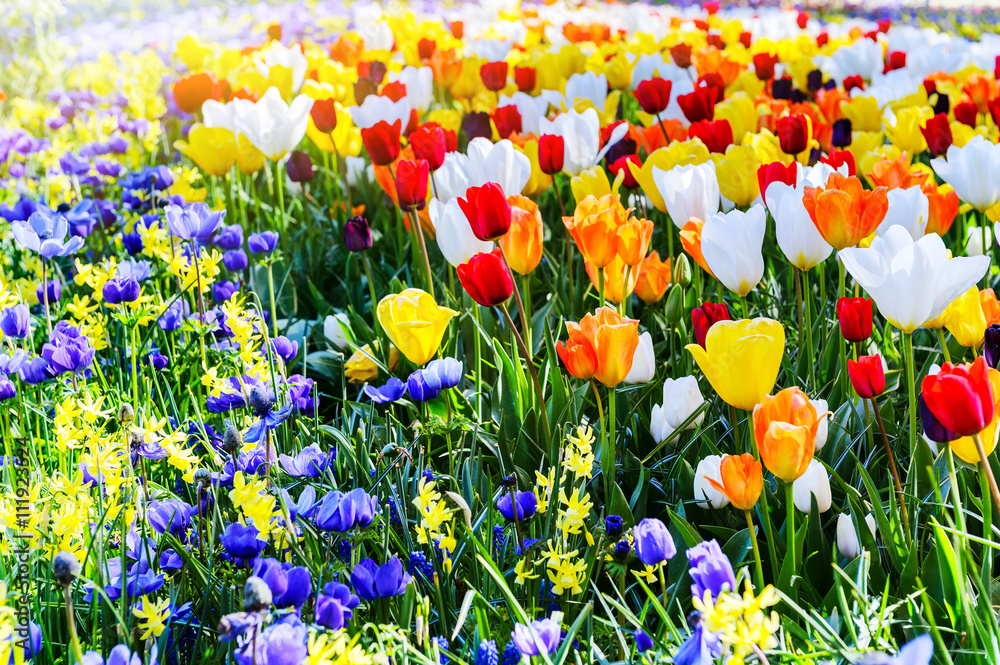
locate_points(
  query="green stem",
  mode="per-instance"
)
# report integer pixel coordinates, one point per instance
(135, 371)
(987, 484)
(605, 466)
(807, 310)
(270, 288)
(734, 418)
(281, 194)
(609, 458)
(479, 356)
(790, 527)
(600, 286)
(987, 471)
(371, 292)
(944, 345)
(756, 550)
(423, 250)
(911, 382)
(841, 285)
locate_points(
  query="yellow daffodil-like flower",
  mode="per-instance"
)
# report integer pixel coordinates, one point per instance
(577, 506)
(580, 452)
(525, 571)
(678, 153)
(213, 149)
(648, 574)
(737, 173)
(741, 622)
(415, 323)
(543, 488)
(741, 359)
(152, 617)
(567, 575)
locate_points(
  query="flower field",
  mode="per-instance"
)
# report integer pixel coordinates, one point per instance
(499, 333)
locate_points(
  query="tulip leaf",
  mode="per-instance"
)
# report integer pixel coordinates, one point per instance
(688, 532)
(737, 548)
(619, 506)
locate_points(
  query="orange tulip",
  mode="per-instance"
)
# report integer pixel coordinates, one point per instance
(742, 480)
(600, 346)
(446, 66)
(522, 244)
(942, 210)
(594, 227)
(633, 239)
(980, 89)
(896, 173)
(347, 51)
(691, 242)
(654, 278)
(785, 427)
(194, 90)
(844, 212)
(990, 306)
(619, 279)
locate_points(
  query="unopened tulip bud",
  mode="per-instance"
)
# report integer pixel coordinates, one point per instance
(815, 482)
(682, 270)
(848, 542)
(675, 305)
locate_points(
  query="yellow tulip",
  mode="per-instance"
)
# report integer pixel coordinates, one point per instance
(737, 173)
(538, 181)
(619, 71)
(248, 158)
(767, 148)
(339, 78)
(747, 84)
(867, 149)
(741, 359)
(447, 118)
(192, 53)
(470, 81)
(592, 182)
(965, 447)
(864, 114)
(361, 366)
(965, 320)
(906, 134)
(741, 114)
(415, 323)
(213, 149)
(676, 154)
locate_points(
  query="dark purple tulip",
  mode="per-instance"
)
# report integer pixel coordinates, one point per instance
(120, 290)
(235, 260)
(653, 542)
(14, 321)
(841, 133)
(262, 243)
(372, 581)
(477, 124)
(299, 166)
(991, 348)
(357, 234)
(335, 606)
(390, 392)
(54, 291)
(241, 541)
(781, 88)
(710, 570)
(527, 505)
(229, 237)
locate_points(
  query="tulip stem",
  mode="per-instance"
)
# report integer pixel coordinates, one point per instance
(45, 298)
(790, 527)
(807, 312)
(892, 466)
(984, 466)
(423, 250)
(525, 323)
(371, 292)
(608, 458)
(734, 421)
(841, 286)
(944, 345)
(600, 286)
(756, 550)
(534, 374)
(479, 356)
(604, 443)
(911, 381)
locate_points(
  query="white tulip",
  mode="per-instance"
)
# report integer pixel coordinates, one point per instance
(911, 282)
(848, 542)
(973, 171)
(357, 170)
(531, 109)
(497, 162)
(454, 234)
(710, 467)
(452, 179)
(681, 398)
(588, 86)
(419, 82)
(337, 330)
(291, 58)
(799, 239)
(823, 428)
(375, 109)
(643, 361)
(217, 114)
(581, 133)
(815, 482)
(974, 240)
(273, 126)
(688, 191)
(732, 246)
(908, 208)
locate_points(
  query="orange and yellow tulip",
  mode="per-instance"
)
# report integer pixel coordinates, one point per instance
(522, 244)
(844, 212)
(691, 242)
(594, 227)
(600, 346)
(742, 480)
(785, 427)
(654, 278)
(619, 279)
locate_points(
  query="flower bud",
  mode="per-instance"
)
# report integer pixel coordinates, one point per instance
(231, 439)
(126, 414)
(256, 594)
(65, 568)
(682, 270)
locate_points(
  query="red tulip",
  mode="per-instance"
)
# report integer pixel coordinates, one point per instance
(621, 165)
(654, 95)
(967, 113)
(551, 153)
(382, 142)
(704, 317)
(487, 210)
(494, 75)
(884, 25)
(746, 38)
(487, 278)
(897, 60)
(411, 184)
(994, 106)
(937, 132)
(710, 7)
(698, 105)
(324, 115)
(802, 20)
(793, 133)
(822, 39)
(775, 172)
(961, 397)
(867, 376)
(838, 158)
(426, 48)
(855, 317)
(681, 55)
(508, 120)
(852, 82)
(714, 81)
(524, 77)
(430, 144)
(763, 65)
(394, 91)
(716, 135)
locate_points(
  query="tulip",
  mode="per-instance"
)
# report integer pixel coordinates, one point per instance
(541, 636)
(843, 211)
(799, 239)
(414, 323)
(681, 398)
(454, 234)
(973, 171)
(741, 359)
(691, 242)
(498, 163)
(193, 90)
(522, 244)
(376, 108)
(813, 483)
(736, 172)
(991, 347)
(272, 126)
(681, 55)
(702, 319)
(776, 172)
(411, 184)
(961, 397)
(507, 120)
(382, 142)
(855, 317)
(847, 537)
(299, 167)
(911, 282)
(212, 149)
(581, 138)
(653, 280)
(974, 240)
(741, 480)
(688, 191)
(937, 133)
(357, 234)
(324, 115)
(867, 376)
(653, 95)
(487, 278)
(698, 105)
(429, 143)
(717, 135)
(594, 227)
(524, 78)
(494, 75)
(487, 210)
(785, 428)
(618, 279)
(643, 362)
(653, 542)
(707, 477)
(551, 150)
(794, 133)
(732, 244)
(601, 346)
(763, 66)
(965, 320)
